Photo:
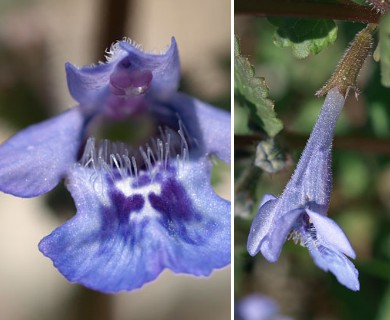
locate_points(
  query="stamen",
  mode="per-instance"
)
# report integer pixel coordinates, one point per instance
(146, 159)
(119, 160)
(295, 236)
(128, 165)
(89, 152)
(182, 127)
(306, 235)
(160, 148)
(150, 153)
(107, 169)
(184, 145)
(135, 168)
(116, 160)
(185, 154)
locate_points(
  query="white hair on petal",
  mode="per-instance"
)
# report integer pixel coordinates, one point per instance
(113, 51)
(117, 157)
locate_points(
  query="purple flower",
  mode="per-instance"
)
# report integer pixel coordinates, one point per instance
(34, 160)
(258, 307)
(139, 209)
(301, 209)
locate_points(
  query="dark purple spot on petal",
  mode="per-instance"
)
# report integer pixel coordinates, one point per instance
(117, 222)
(124, 206)
(173, 202)
(176, 209)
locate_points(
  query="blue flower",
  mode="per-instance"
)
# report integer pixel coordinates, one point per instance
(139, 209)
(131, 82)
(301, 209)
(258, 307)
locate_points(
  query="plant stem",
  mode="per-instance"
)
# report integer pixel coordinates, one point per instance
(349, 11)
(293, 140)
(381, 5)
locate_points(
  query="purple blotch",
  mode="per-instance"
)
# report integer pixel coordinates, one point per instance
(116, 218)
(176, 209)
(124, 206)
(173, 202)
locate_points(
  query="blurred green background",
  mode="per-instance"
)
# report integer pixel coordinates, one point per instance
(360, 202)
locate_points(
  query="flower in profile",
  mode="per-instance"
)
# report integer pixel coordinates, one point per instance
(301, 209)
(140, 208)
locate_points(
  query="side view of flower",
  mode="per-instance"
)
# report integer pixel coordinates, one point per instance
(302, 208)
(140, 208)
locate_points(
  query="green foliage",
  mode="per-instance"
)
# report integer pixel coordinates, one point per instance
(251, 92)
(354, 175)
(304, 36)
(384, 311)
(361, 2)
(384, 49)
(360, 199)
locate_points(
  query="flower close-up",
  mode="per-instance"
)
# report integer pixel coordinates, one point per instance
(141, 207)
(300, 213)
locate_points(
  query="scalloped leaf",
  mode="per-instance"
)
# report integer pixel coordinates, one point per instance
(304, 36)
(252, 92)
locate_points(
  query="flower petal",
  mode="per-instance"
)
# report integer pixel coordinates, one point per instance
(262, 224)
(335, 262)
(120, 240)
(86, 82)
(277, 236)
(34, 160)
(209, 126)
(165, 67)
(330, 234)
(267, 197)
(210, 227)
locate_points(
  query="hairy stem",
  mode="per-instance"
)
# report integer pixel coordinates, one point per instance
(381, 5)
(293, 140)
(350, 64)
(349, 11)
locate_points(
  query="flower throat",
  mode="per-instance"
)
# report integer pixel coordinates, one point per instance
(121, 161)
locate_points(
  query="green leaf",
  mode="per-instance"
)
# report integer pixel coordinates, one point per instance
(304, 36)
(252, 92)
(384, 49)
